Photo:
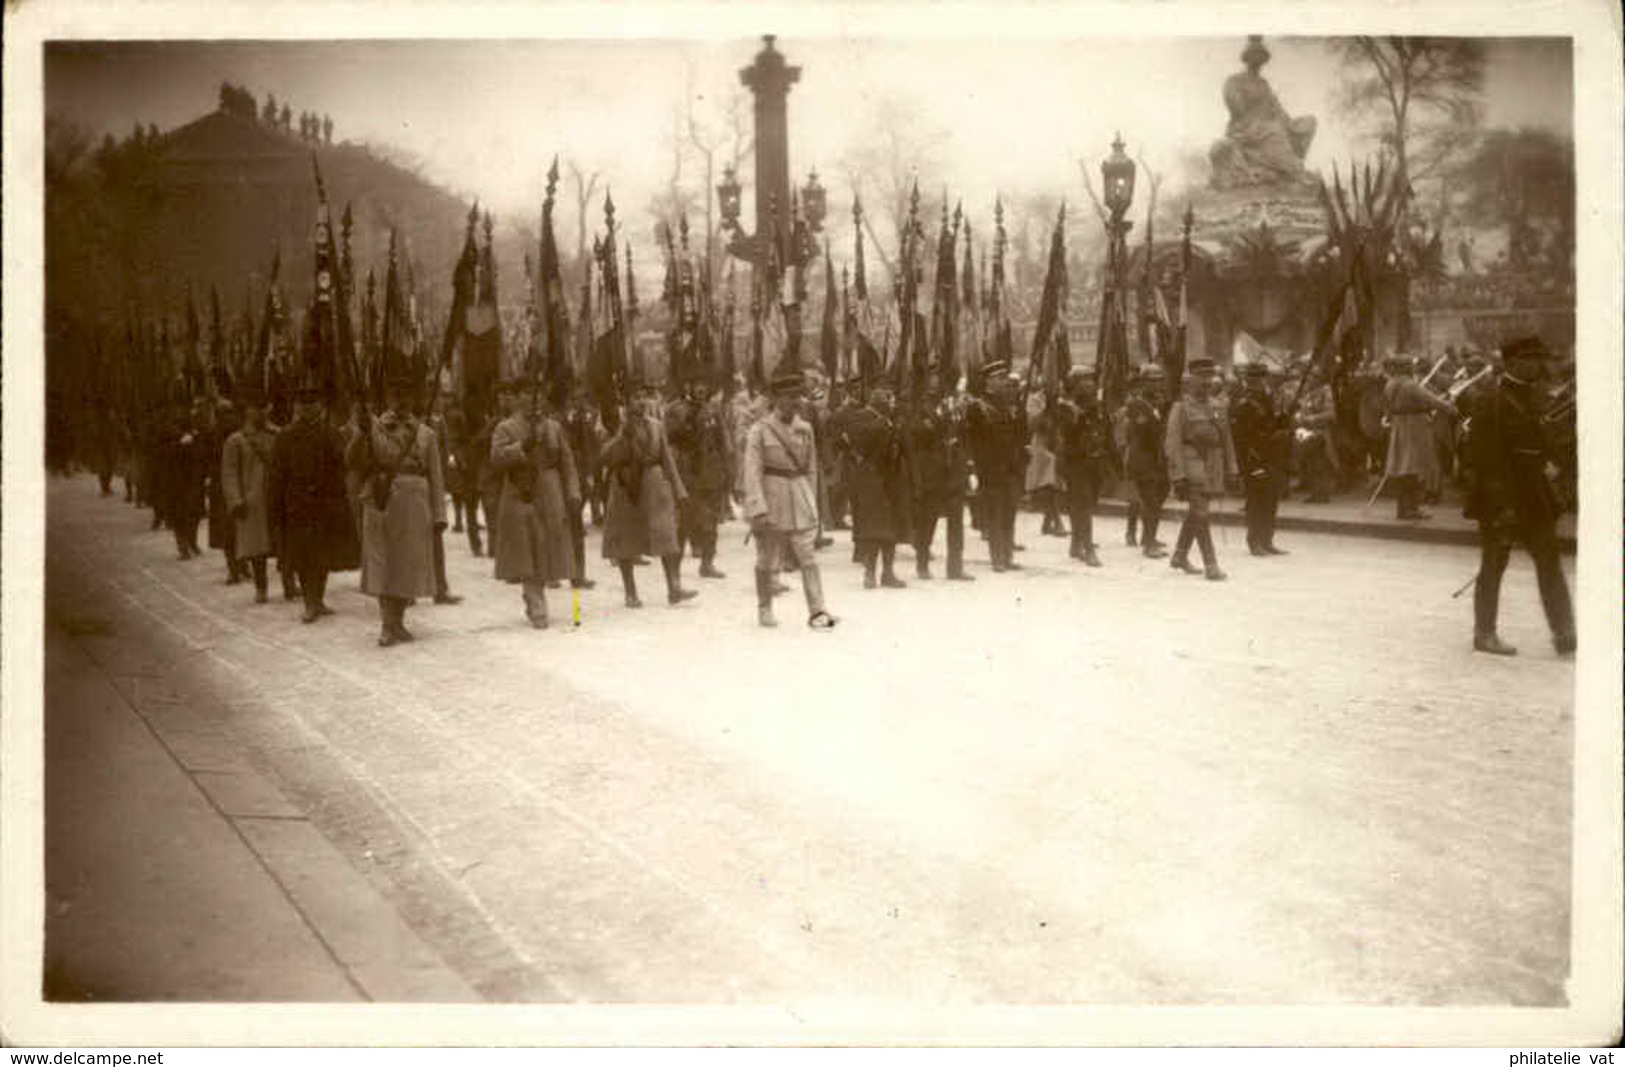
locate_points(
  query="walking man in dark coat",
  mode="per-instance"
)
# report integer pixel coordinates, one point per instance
(186, 460)
(941, 471)
(1084, 442)
(881, 494)
(1258, 431)
(309, 510)
(996, 432)
(699, 442)
(1143, 461)
(1511, 497)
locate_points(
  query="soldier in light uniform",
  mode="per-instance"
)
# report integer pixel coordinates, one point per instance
(540, 489)
(780, 477)
(245, 460)
(1201, 458)
(402, 500)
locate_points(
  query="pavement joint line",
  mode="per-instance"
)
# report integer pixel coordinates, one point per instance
(321, 939)
(412, 708)
(357, 770)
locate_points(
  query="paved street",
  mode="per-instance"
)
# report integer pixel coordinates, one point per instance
(1059, 786)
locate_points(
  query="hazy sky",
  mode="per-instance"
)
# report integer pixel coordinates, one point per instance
(485, 116)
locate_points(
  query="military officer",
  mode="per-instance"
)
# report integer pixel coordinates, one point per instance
(645, 492)
(780, 472)
(881, 493)
(245, 460)
(1257, 431)
(308, 508)
(540, 488)
(1511, 497)
(700, 444)
(1083, 440)
(996, 434)
(1201, 458)
(1143, 461)
(941, 469)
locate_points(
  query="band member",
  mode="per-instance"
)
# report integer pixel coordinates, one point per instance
(1412, 456)
(996, 434)
(700, 444)
(1511, 497)
(1257, 431)
(941, 469)
(308, 509)
(881, 493)
(645, 491)
(1200, 459)
(540, 489)
(403, 500)
(1084, 442)
(244, 462)
(780, 478)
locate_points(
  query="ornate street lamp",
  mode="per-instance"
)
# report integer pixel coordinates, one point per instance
(813, 202)
(728, 193)
(1117, 175)
(1117, 180)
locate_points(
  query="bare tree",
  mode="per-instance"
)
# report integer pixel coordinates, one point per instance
(1421, 95)
(709, 138)
(883, 164)
(585, 186)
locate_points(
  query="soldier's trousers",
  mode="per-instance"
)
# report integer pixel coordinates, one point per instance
(1082, 494)
(1262, 504)
(1495, 549)
(534, 591)
(578, 546)
(927, 510)
(1153, 493)
(440, 586)
(313, 584)
(999, 501)
(697, 525)
(1196, 528)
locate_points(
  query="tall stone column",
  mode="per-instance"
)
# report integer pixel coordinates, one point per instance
(769, 79)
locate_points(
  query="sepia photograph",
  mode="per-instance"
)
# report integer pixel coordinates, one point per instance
(877, 525)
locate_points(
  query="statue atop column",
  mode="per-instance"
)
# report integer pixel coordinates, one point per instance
(1262, 145)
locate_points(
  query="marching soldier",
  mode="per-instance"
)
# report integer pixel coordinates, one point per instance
(581, 432)
(1256, 430)
(700, 445)
(1412, 458)
(880, 486)
(780, 472)
(463, 463)
(308, 508)
(403, 501)
(222, 527)
(436, 424)
(244, 463)
(540, 490)
(1511, 497)
(941, 470)
(1083, 438)
(645, 492)
(995, 433)
(186, 459)
(1144, 463)
(1200, 459)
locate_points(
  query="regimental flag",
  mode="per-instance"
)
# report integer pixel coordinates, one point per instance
(464, 282)
(323, 347)
(729, 362)
(219, 372)
(829, 344)
(273, 349)
(554, 314)
(945, 300)
(1000, 342)
(191, 365)
(397, 355)
(1046, 354)
(607, 362)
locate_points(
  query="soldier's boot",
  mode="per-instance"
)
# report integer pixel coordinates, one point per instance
(1089, 556)
(675, 593)
(262, 581)
(865, 554)
(629, 583)
(922, 561)
(456, 516)
(888, 577)
(708, 556)
(764, 598)
(474, 546)
(1493, 645)
(812, 584)
(1210, 558)
(1131, 531)
(1180, 560)
(535, 594)
(234, 572)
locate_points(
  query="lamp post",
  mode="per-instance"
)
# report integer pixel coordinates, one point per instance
(1117, 181)
(787, 221)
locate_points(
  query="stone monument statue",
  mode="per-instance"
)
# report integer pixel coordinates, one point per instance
(1262, 145)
